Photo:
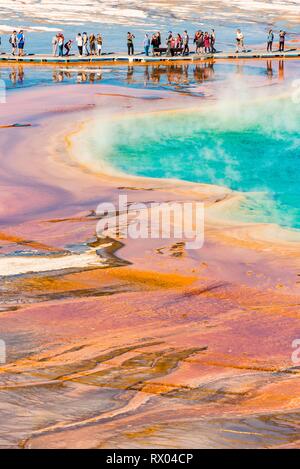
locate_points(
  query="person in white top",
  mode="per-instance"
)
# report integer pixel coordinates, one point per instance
(85, 44)
(240, 41)
(99, 41)
(13, 42)
(54, 45)
(79, 40)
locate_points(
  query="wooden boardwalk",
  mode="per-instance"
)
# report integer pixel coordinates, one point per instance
(142, 59)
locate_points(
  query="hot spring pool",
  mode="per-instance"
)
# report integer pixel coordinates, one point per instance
(253, 147)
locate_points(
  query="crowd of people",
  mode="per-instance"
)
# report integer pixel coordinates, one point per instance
(175, 44)
(86, 44)
(204, 42)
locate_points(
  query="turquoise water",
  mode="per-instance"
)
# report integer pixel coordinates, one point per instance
(253, 147)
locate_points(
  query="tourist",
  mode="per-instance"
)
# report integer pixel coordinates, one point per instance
(154, 43)
(54, 45)
(85, 41)
(240, 41)
(213, 41)
(270, 41)
(130, 44)
(196, 39)
(68, 46)
(199, 39)
(206, 42)
(169, 41)
(179, 42)
(79, 41)
(20, 42)
(147, 44)
(61, 41)
(173, 43)
(282, 35)
(186, 40)
(92, 41)
(158, 35)
(13, 42)
(99, 41)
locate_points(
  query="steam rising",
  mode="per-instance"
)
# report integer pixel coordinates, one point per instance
(245, 140)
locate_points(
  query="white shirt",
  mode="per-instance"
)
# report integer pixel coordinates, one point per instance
(13, 39)
(79, 41)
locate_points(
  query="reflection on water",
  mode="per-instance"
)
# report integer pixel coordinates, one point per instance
(171, 74)
(281, 70)
(175, 76)
(59, 76)
(17, 75)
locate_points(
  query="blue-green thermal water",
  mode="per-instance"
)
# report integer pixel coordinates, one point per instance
(253, 147)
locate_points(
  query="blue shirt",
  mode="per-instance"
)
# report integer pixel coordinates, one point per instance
(20, 38)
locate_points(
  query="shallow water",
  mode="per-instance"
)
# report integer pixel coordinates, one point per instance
(183, 77)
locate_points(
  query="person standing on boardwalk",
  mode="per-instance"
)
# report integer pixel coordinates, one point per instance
(186, 40)
(169, 41)
(270, 41)
(282, 35)
(79, 41)
(240, 41)
(20, 42)
(99, 41)
(146, 44)
(173, 42)
(206, 43)
(196, 39)
(13, 42)
(54, 45)
(158, 35)
(92, 41)
(130, 45)
(179, 41)
(154, 43)
(213, 42)
(199, 42)
(61, 41)
(85, 40)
